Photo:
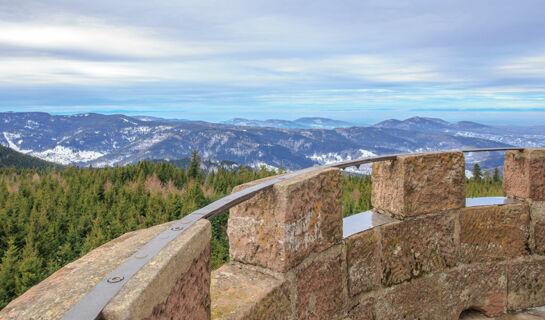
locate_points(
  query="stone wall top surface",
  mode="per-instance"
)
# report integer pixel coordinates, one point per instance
(153, 284)
(54, 296)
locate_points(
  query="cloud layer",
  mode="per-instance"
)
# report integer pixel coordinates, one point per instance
(363, 60)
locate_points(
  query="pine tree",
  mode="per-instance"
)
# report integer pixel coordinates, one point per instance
(194, 164)
(477, 174)
(496, 175)
(8, 272)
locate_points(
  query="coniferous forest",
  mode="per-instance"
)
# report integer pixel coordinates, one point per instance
(50, 217)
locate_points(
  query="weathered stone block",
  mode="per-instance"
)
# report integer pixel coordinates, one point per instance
(320, 284)
(479, 286)
(524, 174)
(190, 296)
(419, 184)
(526, 284)
(537, 219)
(175, 282)
(414, 247)
(417, 299)
(281, 226)
(157, 283)
(363, 310)
(363, 262)
(490, 233)
(243, 292)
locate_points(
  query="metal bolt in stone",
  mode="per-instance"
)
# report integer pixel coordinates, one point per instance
(116, 279)
(177, 228)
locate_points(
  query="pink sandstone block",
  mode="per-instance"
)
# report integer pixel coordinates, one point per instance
(281, 226)
(242, 292)
(524, 174)
(363, 310)
(493, 233)
(362, 257)
(445, 295)
(480, 287)
(414, 185)
(526, 287)
(188, 300)
(537, 214)
(320, 284)
(412, 248)
(418, 299)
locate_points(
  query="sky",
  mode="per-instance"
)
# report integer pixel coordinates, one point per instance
(359, 61)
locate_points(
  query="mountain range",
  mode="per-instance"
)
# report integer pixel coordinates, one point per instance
(108, 140)
(301, 123)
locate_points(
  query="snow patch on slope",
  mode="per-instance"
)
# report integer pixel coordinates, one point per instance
(12, 136)
(64, 155)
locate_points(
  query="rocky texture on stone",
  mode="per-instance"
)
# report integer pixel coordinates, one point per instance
(491, 233)
(526, 283)
(244, 292)
(524, 174)
(153, 292)
(413, 185)
(282, 225)
(320, 285)
(537, 220)
(362, 257)
(415, 247)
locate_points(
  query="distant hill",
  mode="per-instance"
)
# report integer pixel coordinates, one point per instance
(432, 125)
(301, 123)
(12, 158)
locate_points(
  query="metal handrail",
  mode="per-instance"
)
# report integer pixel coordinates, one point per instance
(92, 304)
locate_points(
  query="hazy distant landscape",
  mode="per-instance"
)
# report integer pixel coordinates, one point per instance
(108, 140)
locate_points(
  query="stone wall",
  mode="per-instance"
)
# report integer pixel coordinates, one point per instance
(175, 284)
(435, 261)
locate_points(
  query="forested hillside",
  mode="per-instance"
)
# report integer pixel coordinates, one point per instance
(12, 158)
(50, 218)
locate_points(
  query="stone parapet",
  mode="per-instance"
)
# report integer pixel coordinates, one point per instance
(413, 185)
(175, 282)
(279, 227)
(524, 174)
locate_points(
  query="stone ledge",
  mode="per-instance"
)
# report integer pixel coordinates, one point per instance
(169, 283)
(54, 296)
(240, 291)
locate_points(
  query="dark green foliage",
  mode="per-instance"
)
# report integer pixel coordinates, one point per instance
(496, 176)
(12, 158)
(477, 174)
(356, 194)
(194, 164)
(483, 185)
(50, 218)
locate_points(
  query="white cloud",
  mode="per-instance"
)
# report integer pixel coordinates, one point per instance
(534, 65)
(96, 37)
(372, 68)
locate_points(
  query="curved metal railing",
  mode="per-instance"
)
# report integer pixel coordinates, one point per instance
(90, 306)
